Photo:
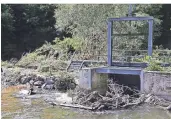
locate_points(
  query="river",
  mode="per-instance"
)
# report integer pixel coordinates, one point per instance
(17, 108)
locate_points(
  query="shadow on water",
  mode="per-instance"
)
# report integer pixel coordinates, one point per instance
(16, 108)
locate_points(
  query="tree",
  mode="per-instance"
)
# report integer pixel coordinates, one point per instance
(89, 22)
(30, 25)
(7, 29)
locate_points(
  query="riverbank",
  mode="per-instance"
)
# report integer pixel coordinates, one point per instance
(39, 109)
(51, 100)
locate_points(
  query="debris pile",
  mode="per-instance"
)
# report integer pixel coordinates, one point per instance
(115, 98)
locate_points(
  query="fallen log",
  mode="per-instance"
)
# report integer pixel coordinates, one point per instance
(76, 106)
(165, 108)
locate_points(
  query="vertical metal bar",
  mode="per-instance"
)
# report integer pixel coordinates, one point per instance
(130, 10)
(150, 38)
(109, 43)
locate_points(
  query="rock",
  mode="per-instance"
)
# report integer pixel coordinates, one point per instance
(38, 83)
(40, 78)
(26, 92)
(31, 82)
(71, 86)
(47, 86)
(25, 79)
(51, 86)
(43, 86)
(50, 82)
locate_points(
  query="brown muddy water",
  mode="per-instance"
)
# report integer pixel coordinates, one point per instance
(17, 108)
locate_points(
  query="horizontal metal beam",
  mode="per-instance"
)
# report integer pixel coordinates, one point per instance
(131, 64)
(119, 71)
(135, 34)
(130, 19)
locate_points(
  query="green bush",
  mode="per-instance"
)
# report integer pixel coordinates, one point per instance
(65, 44)
(154, 66)
(66, 81)
(27, 59)
(7, 64)
(51, 64)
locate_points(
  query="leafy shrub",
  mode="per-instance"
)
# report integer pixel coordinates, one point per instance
(7, 64)
(65, 44)
(27, 59)
(51, 64)
(154, 66)
(66, 81)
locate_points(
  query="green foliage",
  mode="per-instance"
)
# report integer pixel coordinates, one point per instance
(167, 69)
(154, 63)
(89, 23)
(50, 65)
(67, 43)
(26, 26)
(27, 59)
(7, 64)
(7, 29)
(66, 81)
(6, 19)
(154, 66)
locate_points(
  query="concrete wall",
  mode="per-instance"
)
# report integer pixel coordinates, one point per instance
(85, 78)
(91, 80)
(157, 83)
(148, 82)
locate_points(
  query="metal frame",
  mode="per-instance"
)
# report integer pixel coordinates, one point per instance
(110, 29)
(119, 70)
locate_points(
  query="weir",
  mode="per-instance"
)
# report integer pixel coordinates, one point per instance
(124, 71)
(127, 73)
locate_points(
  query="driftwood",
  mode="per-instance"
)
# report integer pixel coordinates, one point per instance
(115, 98)
(165, 108)
(76, 106)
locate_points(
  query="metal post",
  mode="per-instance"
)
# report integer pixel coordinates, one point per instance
(150, 38)
(130, 10)
(109, 42)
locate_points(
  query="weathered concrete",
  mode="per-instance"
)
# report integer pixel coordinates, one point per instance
(153, 82)
(99, 81)
(91, 80)
(85, 78)
(157, 83)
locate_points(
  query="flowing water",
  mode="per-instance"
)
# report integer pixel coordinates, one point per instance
(17, 108)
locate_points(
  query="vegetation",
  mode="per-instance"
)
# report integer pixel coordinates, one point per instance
(80, 28)
(89, 23)
(27, 27)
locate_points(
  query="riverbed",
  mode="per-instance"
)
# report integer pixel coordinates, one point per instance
(37, 108)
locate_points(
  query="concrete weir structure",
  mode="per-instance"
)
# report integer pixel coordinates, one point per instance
(153, 82)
